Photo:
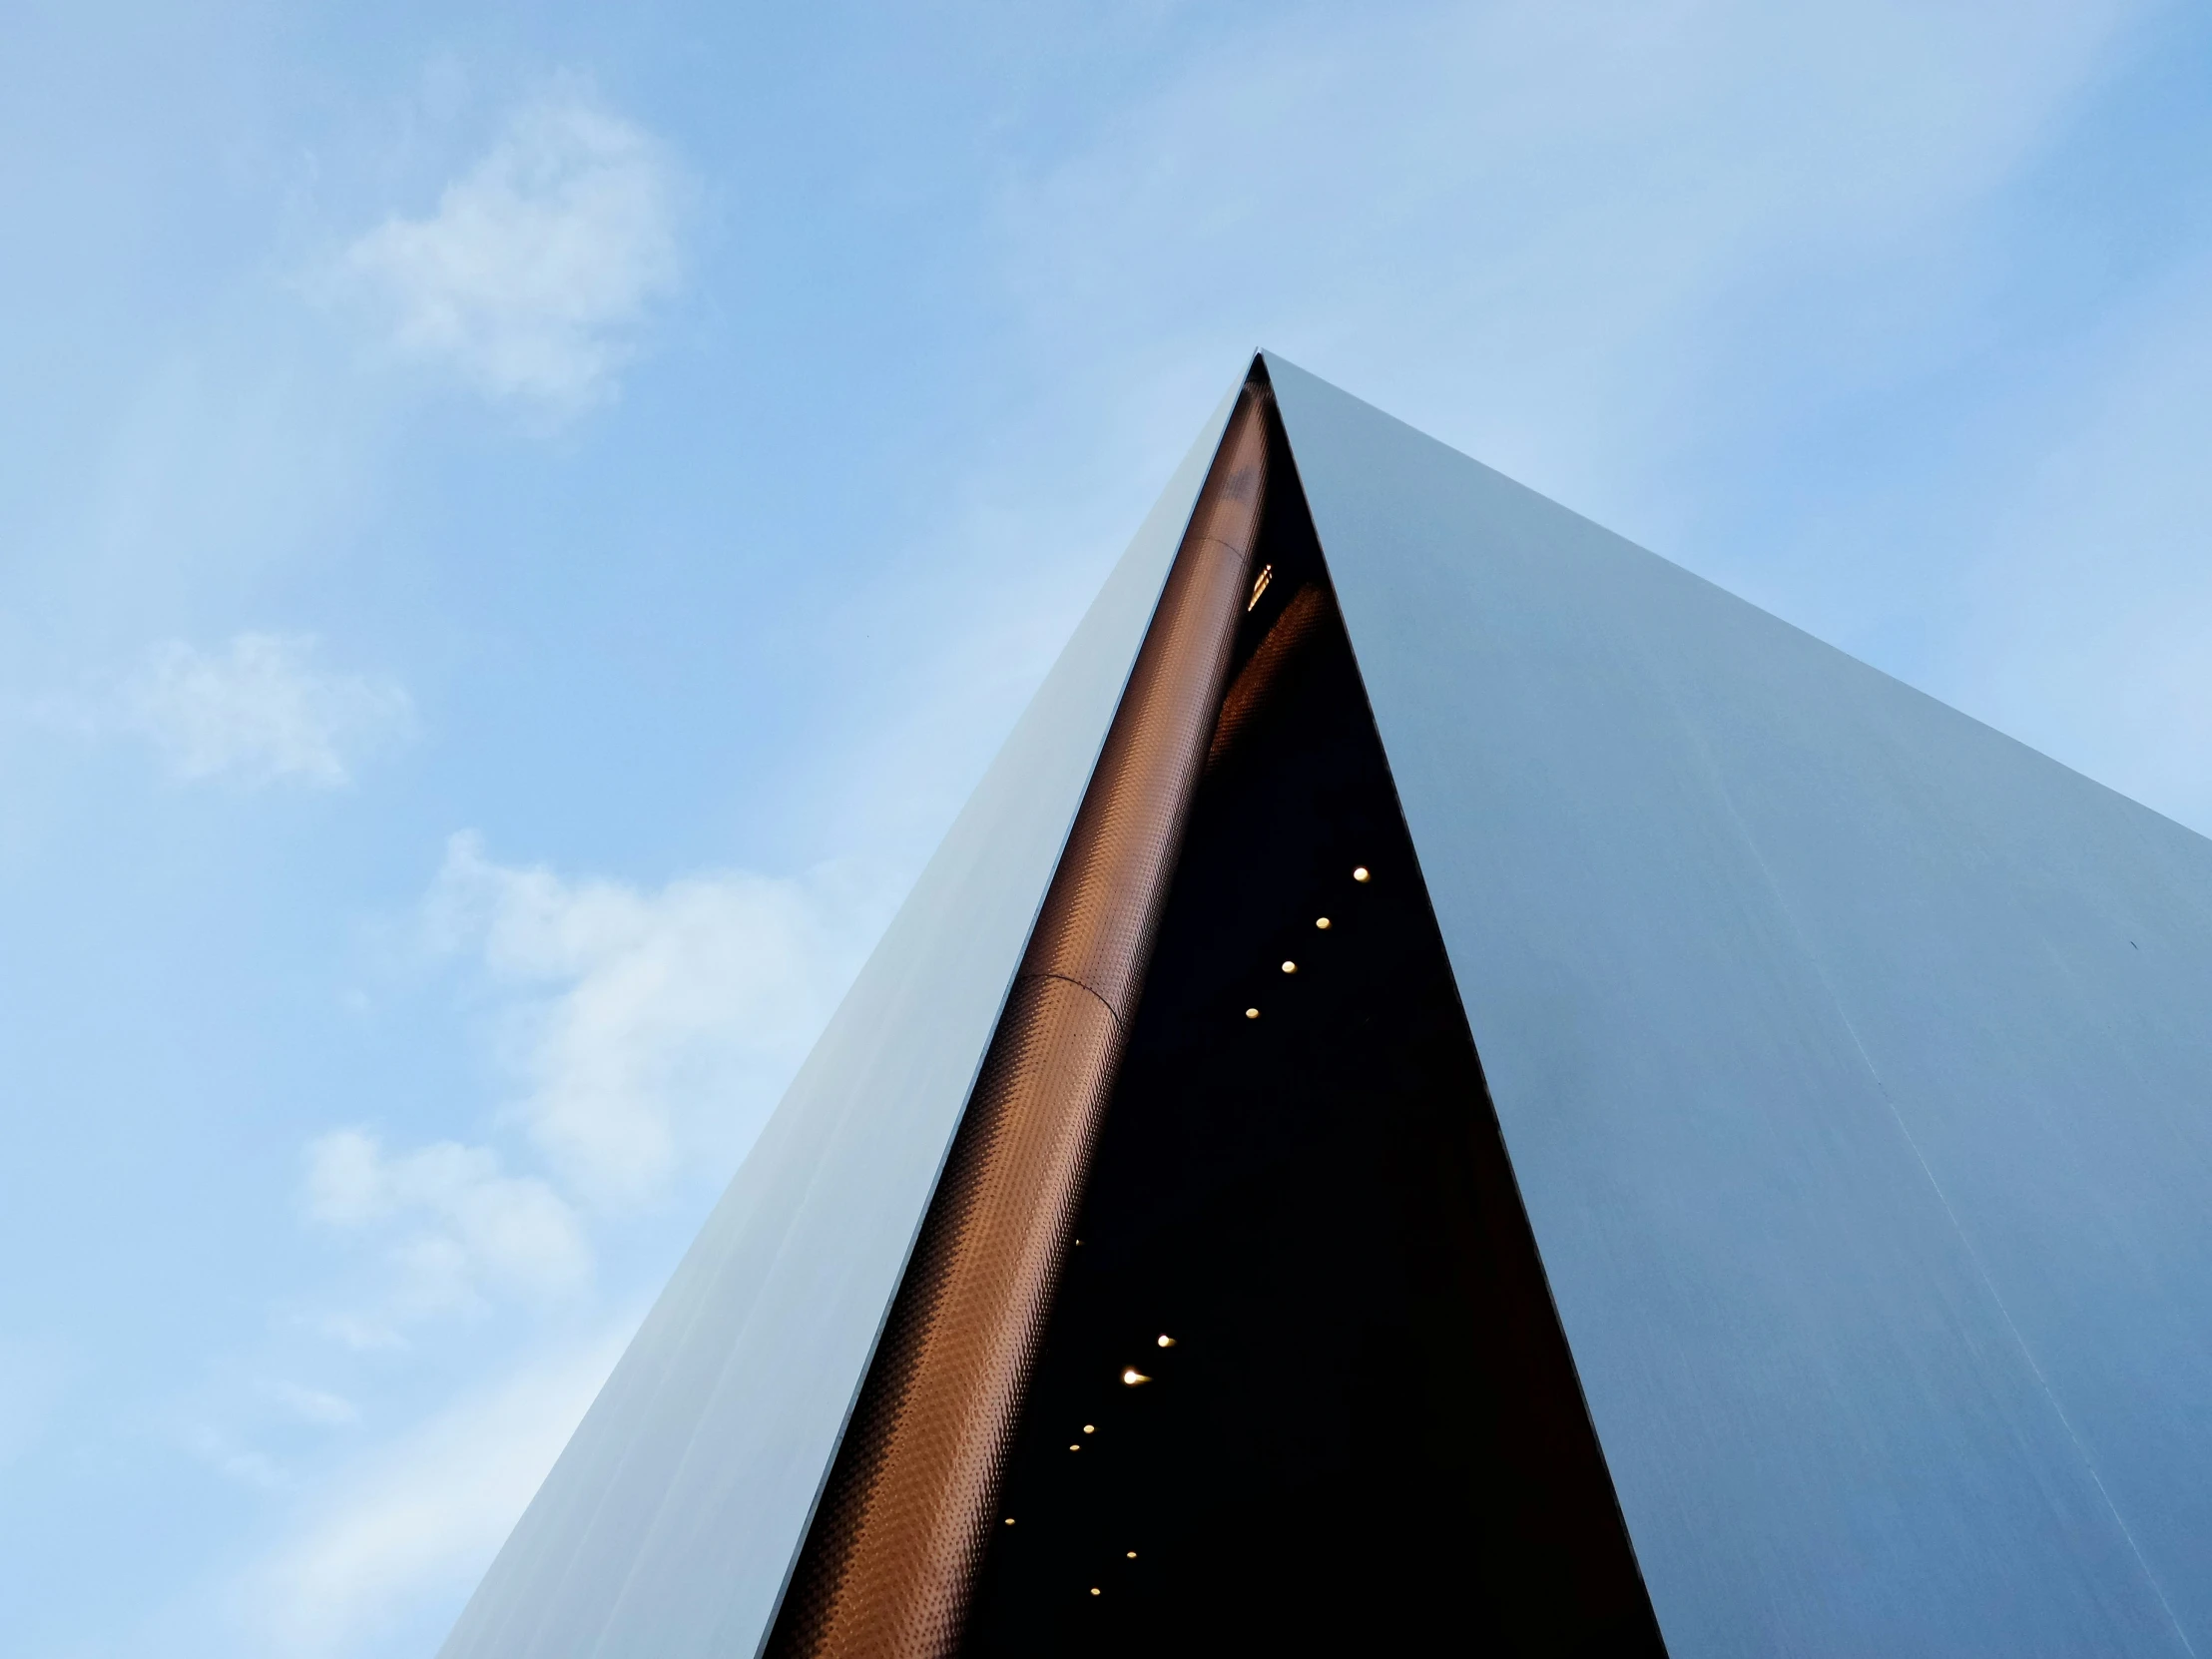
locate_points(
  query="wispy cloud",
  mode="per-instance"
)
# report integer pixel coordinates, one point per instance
(644, 1031)
(649, 1027)
(258, 710)
(1541, 230)
(247, 1466)
(317, 1407)
(1685, 267)
(2092, 625)
(533, 277)
(453, 1226)
(409, 1529)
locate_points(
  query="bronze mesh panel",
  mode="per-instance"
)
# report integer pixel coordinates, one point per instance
(1255, 684)
(887, 1566)
(1098, 915)
(892, 1548)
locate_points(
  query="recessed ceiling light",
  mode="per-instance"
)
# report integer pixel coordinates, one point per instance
(1252, 1013)
(1360, 874)
(1321, 922)
(1290, 967)
(1167, 1341)
(1132, 1376)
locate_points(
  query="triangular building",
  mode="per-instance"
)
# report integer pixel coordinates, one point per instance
(1454, 1089)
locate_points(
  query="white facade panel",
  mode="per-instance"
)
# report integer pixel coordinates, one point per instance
(1856, 1066)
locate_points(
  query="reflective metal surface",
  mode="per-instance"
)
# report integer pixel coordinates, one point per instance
(669, 1524)
(1856, 1066)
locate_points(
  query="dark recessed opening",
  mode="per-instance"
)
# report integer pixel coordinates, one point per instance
(1368, 1431)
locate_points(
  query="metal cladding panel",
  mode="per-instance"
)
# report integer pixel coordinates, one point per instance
(671, 1520)
(1856, 1066)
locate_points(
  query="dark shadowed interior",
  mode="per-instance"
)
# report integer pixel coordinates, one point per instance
(1368, 1429)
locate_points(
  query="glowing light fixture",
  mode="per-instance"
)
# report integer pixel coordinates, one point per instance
(1252, 1013)
(1267, 575)
(1089, 1428)
(1132, 1376)
(1132, 1555)
(1360, 874)
(1321, 922)
(1290, 967)
(1009, 1520)
(1094, 1589)
(1167, 1341)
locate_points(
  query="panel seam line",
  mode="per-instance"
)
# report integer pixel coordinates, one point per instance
(1065, 979)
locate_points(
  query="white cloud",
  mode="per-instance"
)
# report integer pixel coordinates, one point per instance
(315, 1407)
(241, 1463)
(362, 1333)
(648, 1033)
(534, 275)
(457, 1227)
(259, 709)
(651, 1028)
(403, 1537)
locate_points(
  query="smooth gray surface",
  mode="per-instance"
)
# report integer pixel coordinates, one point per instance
(1853, 1063)
(668, 1525)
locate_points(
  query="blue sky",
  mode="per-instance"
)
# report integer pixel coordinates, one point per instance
(522, 524)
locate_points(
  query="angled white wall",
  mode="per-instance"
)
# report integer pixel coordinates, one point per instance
(1855, 1065)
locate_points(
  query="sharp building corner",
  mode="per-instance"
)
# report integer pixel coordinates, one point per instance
(1455, 1087)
